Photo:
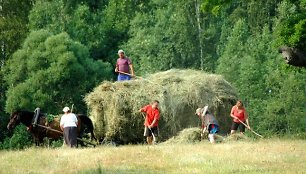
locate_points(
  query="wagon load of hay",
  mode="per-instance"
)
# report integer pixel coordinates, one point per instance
(114, 106)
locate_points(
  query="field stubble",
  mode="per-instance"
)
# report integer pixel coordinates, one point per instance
(263, 156)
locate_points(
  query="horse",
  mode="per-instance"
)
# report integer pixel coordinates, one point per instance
(40, 130)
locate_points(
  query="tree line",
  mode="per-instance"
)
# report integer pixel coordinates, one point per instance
(54, 52)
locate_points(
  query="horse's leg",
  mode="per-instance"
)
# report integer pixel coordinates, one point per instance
(92, 135)
(36, 141)
(41, 140)
(80, 142)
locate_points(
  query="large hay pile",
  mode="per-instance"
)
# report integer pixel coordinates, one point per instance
(114, 106)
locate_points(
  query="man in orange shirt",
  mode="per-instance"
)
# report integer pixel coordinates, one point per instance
(151, 122)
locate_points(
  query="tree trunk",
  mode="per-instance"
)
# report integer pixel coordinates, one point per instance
(197, 6)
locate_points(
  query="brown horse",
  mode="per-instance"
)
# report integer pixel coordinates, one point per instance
(39, 131)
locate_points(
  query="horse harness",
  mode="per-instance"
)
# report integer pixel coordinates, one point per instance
(35, 120)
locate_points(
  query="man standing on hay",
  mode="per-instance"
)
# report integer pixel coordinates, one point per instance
(124, 67)
(151, 122)
(209, 123)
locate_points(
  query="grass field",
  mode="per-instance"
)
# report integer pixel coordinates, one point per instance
(264, 156)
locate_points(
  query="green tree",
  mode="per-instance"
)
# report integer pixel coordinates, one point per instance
(254, 69)
(51, 71)
(285, 106)
(234, 53)
(100, 25)
(13, 30)
(13, 26)
(174, 34)
(290, 28)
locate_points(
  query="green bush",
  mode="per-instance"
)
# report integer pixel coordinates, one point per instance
(21, 139)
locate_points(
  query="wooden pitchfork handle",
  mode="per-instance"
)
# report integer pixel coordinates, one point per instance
(154, 138)
(250, 128)
(129, 74)
(54, 130)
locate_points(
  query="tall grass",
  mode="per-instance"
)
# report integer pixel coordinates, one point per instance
(264, 156)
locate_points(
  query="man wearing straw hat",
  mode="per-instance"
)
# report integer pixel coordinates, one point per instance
(124, 67)
(151, 122)
(209, 123)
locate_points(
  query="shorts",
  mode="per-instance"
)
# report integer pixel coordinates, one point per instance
(213, 129)
(122, 77)
(148, 132)
(236, 125)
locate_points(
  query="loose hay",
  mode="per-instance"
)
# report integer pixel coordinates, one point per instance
(192, 135)
(188, 135)
(114, 106)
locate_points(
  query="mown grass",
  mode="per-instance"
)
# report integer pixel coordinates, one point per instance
(264, 156)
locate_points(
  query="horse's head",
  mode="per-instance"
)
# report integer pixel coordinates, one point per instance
(14, 120)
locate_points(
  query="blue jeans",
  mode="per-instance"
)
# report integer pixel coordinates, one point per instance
(122, 77)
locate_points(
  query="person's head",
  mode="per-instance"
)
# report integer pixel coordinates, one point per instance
(121, 53)
(199, 111)
(66, 109)
(155, 104)
(239, 104)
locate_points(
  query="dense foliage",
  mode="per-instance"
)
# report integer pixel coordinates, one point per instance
(54, 52)
(51, 71)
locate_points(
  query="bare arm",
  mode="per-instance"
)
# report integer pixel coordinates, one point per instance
(156, 118)
(116, 69)
(232, 113)
(154, 121)
(204, 129)
(62, 124)
(132, 70)
(62, 128)
(144, 109)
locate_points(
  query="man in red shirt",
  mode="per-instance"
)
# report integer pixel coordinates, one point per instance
(240, 116)
(151, 122)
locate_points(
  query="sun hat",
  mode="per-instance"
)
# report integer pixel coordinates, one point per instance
(66, 109)
(198, 111)
(120, 51)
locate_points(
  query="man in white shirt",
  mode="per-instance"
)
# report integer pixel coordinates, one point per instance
(68, 125)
